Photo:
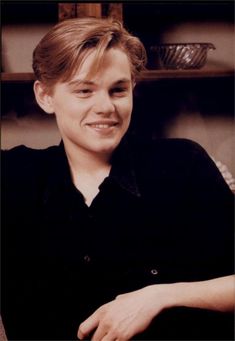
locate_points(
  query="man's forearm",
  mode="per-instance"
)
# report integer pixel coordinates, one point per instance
(215, 294)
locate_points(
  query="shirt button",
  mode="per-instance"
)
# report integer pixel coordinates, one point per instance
(87, 258)
(154, 272)
(90, 215)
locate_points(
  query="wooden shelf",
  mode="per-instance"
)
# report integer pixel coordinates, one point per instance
(184, 74)
(17, 77)
(149, 75)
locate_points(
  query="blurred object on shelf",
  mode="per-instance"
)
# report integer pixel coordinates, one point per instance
(182, 55)
(18, 43)
(226, 174)
(3, 336)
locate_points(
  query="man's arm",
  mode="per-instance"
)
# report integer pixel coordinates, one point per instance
(209, 210)
(132, 313)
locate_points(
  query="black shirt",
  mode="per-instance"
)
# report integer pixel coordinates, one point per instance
(164, 214)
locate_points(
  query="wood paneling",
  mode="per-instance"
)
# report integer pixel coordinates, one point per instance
(97, 10)
(66, 11)
(115, 11)
(89, 10)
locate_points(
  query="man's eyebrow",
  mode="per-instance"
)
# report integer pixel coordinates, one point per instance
(123, 80)
(88, 82)
(80, 81)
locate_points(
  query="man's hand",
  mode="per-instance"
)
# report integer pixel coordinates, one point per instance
(124, 317)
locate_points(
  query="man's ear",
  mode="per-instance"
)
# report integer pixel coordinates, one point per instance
(43, 98)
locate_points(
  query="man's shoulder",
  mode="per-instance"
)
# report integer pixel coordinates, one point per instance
(22, 162)
(23, 155)
(175, 150)
(177, 144)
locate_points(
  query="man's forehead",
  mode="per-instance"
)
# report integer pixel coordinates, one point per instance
(91, 70)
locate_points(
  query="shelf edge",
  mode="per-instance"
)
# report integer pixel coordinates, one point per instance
(148, 75)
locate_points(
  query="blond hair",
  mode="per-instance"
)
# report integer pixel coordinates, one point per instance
(62, 50)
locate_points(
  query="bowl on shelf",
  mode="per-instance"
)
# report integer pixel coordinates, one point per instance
(182, 55)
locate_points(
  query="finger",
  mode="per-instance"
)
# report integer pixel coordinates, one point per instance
(109, 337)
(87, 326)
(100, 333)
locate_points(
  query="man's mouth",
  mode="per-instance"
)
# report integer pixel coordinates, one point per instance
(102, 125)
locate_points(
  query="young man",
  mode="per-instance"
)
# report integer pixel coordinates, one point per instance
(107, 237)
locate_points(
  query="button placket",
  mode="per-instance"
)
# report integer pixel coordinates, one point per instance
(90, 216)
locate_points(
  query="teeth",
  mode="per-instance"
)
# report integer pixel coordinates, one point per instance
(101, 126)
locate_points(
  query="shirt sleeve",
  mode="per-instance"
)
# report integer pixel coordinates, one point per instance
(210, 208)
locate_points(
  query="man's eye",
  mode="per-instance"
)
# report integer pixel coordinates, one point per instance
(83, 92)
(119, 90)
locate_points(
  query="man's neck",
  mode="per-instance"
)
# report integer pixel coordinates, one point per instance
(86, 162)
(88, 170)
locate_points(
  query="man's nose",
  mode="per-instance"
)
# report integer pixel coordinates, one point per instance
(104, 104)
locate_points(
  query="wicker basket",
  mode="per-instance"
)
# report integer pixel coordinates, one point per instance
(182, 55)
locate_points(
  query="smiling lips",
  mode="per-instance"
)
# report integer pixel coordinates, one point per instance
(103, 126)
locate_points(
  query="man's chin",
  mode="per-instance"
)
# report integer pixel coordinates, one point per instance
(107, 147)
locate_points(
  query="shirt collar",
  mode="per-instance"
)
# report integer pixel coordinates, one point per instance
(122, 171)
(123, 168)
(57, 172)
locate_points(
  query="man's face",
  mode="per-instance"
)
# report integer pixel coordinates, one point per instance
(93, 115)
